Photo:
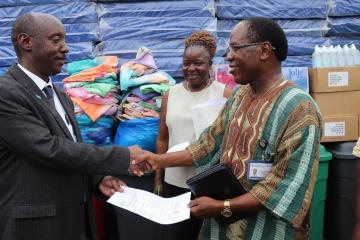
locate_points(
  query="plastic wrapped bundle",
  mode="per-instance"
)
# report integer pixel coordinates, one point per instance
(77, 51)
(292, 28)
(298, 61)
(125, 49)
(110, 28)
(341, 8)
(344, 26)
(72, 12)
(190, 8)
(9, 3)
(277, 9)
(299, 46)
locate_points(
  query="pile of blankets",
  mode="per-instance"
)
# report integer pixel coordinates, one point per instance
(143, 86)
(93, 88)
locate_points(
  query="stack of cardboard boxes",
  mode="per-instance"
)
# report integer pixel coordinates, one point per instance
(337, 93)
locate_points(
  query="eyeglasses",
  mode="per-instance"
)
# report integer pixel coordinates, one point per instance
(233, 47)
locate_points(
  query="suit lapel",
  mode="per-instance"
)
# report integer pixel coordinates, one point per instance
(69, 111)
(25, 81)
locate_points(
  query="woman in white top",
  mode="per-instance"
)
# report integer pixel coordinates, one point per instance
(176, 124)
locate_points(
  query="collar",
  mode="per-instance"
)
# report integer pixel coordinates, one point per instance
(36, 79)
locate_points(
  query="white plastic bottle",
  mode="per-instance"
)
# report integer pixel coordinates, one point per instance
(340, 56)
(326, 56)
(355, 53)
(316, 57)
(348, 56)
(332, 57)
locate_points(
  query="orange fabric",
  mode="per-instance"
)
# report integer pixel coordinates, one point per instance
(91, 74)
(94, 111)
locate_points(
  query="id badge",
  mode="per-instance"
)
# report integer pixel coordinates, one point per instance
(257, 170)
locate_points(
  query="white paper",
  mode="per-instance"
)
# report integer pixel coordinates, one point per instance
(334, 129)
(338, 79)
(178, 147)
(153, 207)
(205, 113)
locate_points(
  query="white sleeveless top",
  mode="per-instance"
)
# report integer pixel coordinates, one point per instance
(180, 124)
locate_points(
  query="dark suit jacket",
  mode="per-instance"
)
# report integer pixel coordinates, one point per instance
(42, 180)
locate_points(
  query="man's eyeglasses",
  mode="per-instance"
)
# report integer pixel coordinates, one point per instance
(233, 47)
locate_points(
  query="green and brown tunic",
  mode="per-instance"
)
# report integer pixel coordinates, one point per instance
(282, 127)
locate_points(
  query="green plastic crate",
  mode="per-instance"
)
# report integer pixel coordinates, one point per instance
(319, 196)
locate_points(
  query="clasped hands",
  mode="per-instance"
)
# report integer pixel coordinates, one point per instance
(142, 161)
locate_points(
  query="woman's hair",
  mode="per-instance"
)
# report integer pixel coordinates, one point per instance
(204, 39)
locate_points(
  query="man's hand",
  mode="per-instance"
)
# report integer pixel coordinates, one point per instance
(135, 150)
(145, 162)
(109, 185)
(205, 207)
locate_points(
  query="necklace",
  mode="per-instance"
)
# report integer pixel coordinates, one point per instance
(187, 86)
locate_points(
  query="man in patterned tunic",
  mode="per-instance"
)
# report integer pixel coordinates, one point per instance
(268, 133)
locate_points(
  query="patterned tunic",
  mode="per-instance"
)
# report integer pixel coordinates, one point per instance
(282, 127)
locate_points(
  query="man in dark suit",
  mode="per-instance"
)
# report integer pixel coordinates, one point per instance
(43, 164)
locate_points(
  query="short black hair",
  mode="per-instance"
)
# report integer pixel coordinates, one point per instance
(261, 29)
(23, 24)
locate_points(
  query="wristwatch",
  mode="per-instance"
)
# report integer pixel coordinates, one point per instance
(226, 212)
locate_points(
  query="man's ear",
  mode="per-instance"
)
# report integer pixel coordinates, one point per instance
(266, 50)
(25, 41)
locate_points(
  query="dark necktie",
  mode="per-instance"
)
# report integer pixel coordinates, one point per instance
(49, 92)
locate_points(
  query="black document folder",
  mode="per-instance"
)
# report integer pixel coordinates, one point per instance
(220, 183)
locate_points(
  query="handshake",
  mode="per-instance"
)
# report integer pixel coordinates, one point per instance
(142, 161)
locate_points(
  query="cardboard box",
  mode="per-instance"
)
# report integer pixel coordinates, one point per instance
(336, 129)
(334, 79)
(338, 103)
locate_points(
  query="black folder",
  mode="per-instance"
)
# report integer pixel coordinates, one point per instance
(220, 183)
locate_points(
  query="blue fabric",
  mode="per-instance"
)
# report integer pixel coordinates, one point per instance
(98, 132)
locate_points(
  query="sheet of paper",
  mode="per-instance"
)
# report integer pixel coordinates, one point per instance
(178, 147)
(205, 113)
(148, 205)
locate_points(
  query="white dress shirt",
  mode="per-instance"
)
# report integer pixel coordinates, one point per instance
(59, 108)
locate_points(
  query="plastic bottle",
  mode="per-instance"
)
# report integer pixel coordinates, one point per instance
(340, 56)
(348, 56)
(326, 56)
(355, 53)
(332, 57)
(316, 57)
